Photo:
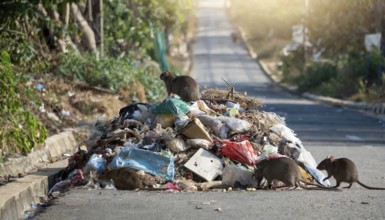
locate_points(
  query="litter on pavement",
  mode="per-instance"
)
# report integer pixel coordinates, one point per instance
(216, 142)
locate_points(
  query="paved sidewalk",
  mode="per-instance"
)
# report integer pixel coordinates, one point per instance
(16, 197)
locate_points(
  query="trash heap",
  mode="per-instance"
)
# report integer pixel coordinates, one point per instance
(210, 143)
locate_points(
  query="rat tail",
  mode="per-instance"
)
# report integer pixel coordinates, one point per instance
(370, 187)
(318, 186)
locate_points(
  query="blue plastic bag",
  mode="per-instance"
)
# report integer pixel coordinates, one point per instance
(97, 162)
(148, 161)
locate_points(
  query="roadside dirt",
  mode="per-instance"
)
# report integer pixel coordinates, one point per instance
(68, 104)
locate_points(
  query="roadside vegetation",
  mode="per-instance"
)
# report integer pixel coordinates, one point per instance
(57, 55)
(334, 61)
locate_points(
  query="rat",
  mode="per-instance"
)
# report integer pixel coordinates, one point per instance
(124, 178)
(343, 170)
(234, 37)
(183, 86)
(283, 169)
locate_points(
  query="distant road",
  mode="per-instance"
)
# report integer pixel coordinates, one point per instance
(216, 57)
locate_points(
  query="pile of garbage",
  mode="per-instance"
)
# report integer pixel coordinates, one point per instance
(210, 143)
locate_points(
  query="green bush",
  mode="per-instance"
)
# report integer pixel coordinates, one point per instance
(107, 72)
(351, 70)
(113, 73)
(342, 78)
(315, 75)
(20, 130)
(292, 65)
(147, 74)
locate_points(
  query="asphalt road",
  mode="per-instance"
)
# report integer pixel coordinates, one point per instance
(324, 130)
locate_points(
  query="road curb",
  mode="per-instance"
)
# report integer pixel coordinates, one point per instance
(53, 149)
(17, 196)
(375, 109)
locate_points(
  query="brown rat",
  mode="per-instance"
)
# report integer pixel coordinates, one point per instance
(234, 37)
(343, 170)
(123, 178)
(283, 169)
(183, 86)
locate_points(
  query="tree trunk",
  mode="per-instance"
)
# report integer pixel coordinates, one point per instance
(67, 15)
(88, 36)
(101, 29)
(64, 40)
(89, 8)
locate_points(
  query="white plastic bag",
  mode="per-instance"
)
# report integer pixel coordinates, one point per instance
(217, 126)
(199, 143)
(175, 145)
(236, 124)
(235, 174)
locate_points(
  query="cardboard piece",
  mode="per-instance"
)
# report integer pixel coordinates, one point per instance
(196, 130)
(205, 164)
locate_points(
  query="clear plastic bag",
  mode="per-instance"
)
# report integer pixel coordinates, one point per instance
(175, 145)
(148, 161)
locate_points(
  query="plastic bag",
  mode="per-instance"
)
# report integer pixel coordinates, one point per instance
(217, 126)
(311, 166)
(165, 120)
(137, 111)
(233, 105)
(170, 106)
(148, 161)
(232, 112)
(236, 124)
(242, 152)
(297, 151)
(200, 105)
(60, 187)
(199, 143)
(97, 162)
(233, 175)
(76, 177)
(129, 145)
(284, 132)
(268, 151)
(181, 121)
(175, 145)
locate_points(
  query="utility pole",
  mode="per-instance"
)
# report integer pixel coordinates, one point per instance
(306, 8)
(379, 18)
(378, 12)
